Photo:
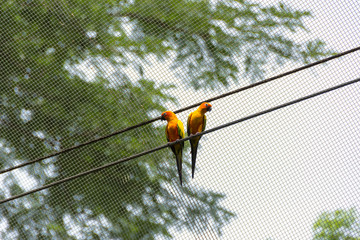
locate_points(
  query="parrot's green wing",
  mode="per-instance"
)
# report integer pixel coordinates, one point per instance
(179, 152)
(188, 124)
(167, 138)
(181, 131)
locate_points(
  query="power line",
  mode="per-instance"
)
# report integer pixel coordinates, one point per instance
(181, 140)
(183, 109)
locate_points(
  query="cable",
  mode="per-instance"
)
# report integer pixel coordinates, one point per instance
(183, 109)
(180, 140)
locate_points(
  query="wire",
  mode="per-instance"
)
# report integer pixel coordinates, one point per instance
(180, 140)
(183, 109)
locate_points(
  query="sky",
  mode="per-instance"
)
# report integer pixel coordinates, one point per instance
(280, 171)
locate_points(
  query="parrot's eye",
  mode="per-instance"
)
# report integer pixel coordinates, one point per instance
(206, 105)
(163, 116)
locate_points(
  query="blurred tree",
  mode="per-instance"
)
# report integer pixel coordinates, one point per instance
(49, 102)
(337, 225)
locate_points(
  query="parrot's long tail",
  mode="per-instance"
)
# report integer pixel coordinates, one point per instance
(194, 147)
(179, 165)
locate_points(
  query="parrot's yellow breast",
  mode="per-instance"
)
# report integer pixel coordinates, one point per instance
(196, 122)
(172, 131)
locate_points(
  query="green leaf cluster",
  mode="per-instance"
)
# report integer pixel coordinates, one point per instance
(337, 225)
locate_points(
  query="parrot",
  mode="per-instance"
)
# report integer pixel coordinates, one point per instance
(174, 131)
(196, 123)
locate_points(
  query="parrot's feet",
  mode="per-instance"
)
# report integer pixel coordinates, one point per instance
(193, 134)
(177, 141)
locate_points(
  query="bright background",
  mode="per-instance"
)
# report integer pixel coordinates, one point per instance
(282, 170)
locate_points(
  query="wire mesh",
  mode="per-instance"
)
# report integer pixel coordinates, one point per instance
(73, 71)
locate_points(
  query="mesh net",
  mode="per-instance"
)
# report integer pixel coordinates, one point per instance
(72, 71)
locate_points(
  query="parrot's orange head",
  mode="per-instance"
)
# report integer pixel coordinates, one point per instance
(168, 115)
(206, 106)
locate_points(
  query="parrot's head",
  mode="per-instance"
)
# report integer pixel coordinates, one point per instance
(168, 115)
(205, 107)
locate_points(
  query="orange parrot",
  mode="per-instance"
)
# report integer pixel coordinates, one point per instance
(175, 131)
(196, 123)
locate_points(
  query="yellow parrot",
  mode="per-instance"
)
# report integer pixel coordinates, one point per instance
(175, 131)
(196, 123)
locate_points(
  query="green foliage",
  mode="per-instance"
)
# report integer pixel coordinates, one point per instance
(337, 225)
(47, 103)
(215, 42)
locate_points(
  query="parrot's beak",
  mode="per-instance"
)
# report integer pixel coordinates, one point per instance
(209, 109)
(162, 118)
